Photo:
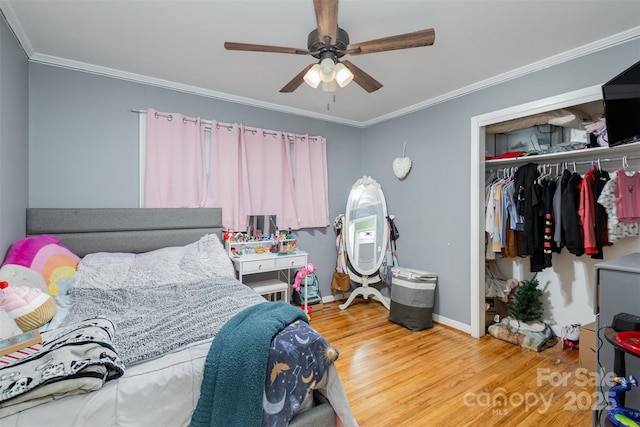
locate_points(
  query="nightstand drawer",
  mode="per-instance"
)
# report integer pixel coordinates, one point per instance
(264, 263)
(257, 266)
(290, 261)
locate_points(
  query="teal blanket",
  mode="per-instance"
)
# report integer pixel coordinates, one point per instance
(235, 368)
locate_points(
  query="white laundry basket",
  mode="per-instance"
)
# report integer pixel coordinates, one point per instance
(412, 298)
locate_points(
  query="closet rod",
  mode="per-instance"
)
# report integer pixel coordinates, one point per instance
(614, 159)
(569, 162)
(208, 124)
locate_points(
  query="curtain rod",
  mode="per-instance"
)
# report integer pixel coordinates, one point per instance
(229, 126)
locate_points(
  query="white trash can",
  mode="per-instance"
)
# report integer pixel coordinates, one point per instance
(412, 298)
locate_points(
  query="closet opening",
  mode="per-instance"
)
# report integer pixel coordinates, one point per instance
(480, 142)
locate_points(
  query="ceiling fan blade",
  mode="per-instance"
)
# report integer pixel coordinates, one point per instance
(264, 48)
(296, 81)
(327, 19)
(367, 82)
(401, 41)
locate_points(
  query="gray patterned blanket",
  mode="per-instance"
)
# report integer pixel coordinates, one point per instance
(151, 321)
(160, 301)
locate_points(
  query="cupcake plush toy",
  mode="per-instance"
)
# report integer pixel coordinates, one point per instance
(30, 308)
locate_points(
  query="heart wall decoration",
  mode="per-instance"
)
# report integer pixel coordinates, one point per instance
(402, 165)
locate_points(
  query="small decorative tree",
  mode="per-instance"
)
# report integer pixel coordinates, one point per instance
(526, 306)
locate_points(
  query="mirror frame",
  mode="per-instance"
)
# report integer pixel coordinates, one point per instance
(263, 223)
(365, 183)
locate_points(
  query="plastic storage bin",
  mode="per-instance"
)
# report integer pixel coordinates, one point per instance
(412, 297)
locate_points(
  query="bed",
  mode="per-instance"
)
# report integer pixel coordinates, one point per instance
(166, 368)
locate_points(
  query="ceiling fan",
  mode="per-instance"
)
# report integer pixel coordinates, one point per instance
(328, 43)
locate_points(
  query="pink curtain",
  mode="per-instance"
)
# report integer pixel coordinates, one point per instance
(228, 175)
(250, 174)
(311, 192)
(270, 183)
(174, 164)
(250, 171)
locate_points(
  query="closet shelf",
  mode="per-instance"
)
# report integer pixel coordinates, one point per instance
(586, 154)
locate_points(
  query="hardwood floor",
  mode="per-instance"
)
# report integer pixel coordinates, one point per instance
(444, 377)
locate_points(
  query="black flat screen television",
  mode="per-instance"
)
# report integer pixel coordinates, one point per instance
(621, 97)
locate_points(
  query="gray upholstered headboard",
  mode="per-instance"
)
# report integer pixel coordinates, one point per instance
(88, 230)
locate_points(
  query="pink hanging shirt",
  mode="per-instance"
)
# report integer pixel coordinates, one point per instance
(628, 196)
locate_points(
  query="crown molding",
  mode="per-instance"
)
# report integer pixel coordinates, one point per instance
(18, 31)
(167, 84)
(616, 39)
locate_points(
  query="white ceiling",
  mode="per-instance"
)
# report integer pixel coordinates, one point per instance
(179, 44)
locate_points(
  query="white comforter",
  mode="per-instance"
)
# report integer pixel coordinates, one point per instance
(164, 390)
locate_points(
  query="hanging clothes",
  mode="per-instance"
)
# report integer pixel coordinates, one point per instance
(513, 223)
(525, 178)
(600, 223)
(489, 226)
(570, 222)
(628, 196)
(586, 212)
(496, 240)
(558, 234)
(549, 244)
(615, 229)
(535, 212)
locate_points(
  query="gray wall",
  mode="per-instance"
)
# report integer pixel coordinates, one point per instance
(84, 153)
(14, 138)
(84, 145)
(432, 203)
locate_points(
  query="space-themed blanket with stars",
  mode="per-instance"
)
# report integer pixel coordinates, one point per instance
(298, 360)
(75, 359)
(260, 367)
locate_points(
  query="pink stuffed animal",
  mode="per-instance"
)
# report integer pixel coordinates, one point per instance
(302, 273)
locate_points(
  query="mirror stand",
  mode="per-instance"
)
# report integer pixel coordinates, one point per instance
(366, 292)
(366, 237)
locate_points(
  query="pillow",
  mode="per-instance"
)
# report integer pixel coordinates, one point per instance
(204, 259)
(43, 254)
(18, 275)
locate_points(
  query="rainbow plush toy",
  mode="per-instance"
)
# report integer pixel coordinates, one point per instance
(39, 262)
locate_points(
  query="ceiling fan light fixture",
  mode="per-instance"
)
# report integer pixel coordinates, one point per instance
(312, 77)
(328, 43)
(327, 70)
(330, 86)
(343, 75)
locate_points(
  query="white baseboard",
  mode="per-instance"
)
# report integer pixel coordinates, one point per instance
(331, 298)
(452, 323)
(463, 327)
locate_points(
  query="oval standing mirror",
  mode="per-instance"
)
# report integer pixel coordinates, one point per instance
(365, 236)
